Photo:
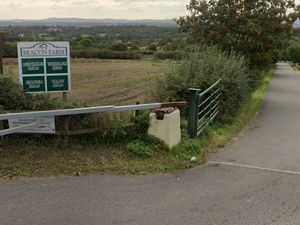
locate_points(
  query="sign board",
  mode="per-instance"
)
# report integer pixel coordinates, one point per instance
(44, 66)
(46, 125)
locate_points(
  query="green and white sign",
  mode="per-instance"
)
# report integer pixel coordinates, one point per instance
(44, 66)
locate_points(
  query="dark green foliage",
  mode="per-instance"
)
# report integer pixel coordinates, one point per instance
(119, 46)
(152, 47)
(173, 55)
(187, 148)
(141, 123)
(104, 54)
(201, 69)
(12, 97)
(255, 29)
(87, 42)
(294, 52)
(139, 148)
(255, 78)
(10, 49)
(146, 147)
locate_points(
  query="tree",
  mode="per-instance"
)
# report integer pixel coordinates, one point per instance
(87, 42)
(119, 46)
(152, 47)
(294, 52)
(254, 28)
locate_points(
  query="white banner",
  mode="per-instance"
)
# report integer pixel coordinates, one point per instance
(45, 125)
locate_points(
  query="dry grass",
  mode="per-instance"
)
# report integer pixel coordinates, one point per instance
(104, 82)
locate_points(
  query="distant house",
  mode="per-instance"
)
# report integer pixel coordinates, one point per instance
(102, 35)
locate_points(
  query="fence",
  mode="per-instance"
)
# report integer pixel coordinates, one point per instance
(66, 115)
(203, 108)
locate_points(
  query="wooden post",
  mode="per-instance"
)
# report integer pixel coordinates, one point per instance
(3, 35)
(66, 129)
(137, 112)
(1, 55)
(1, 125)
(65, 96)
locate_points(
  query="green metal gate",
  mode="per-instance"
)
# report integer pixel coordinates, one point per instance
(203, 108)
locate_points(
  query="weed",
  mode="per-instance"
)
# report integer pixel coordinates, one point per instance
(146, 146)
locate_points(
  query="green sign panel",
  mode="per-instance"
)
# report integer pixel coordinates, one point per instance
(33, 66)
(34, 84)
(44, 66)
(57, 83)
(57, 65)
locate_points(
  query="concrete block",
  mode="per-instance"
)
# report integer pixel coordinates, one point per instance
(168, 129)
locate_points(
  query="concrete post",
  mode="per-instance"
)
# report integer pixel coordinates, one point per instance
(166, 129)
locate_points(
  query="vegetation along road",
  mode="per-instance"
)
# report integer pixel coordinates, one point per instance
(252, 181)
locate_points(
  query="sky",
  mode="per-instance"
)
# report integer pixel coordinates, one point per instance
(98, 9)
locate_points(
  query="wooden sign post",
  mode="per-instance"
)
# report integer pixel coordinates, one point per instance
(3, 36)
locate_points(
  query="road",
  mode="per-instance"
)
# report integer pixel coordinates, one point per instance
(253, 181)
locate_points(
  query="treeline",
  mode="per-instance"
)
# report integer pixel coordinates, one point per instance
(107, 42)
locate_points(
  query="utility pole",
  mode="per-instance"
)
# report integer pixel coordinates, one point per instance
(3, 36)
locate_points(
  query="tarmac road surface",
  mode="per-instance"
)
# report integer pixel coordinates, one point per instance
(254, 181)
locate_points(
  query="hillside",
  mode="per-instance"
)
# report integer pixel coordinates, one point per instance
(86, 22)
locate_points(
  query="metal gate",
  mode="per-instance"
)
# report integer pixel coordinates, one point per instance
(203, 108)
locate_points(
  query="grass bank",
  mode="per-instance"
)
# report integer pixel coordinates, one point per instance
(218, 135)
(39, 157)
(295, 67)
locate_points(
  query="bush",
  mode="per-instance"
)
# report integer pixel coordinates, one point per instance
(294, 52)
(174, 55)
(12, 97)
(10, 49)
(119, 46)
(200, 69)
(141, 123)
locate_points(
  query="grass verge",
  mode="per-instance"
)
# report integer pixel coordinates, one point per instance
(39, 157)
(218, 135)
(295, 67)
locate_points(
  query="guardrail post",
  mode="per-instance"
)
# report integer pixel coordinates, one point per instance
(137, 112)
(193, 111)
(67, 129)
(1, 125)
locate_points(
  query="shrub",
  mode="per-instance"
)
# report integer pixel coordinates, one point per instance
(12, 97)
(119, 46)
(200, 69)
(141, 123)
(294, 52)
(152, 47)
(174, 55)
(10, 49)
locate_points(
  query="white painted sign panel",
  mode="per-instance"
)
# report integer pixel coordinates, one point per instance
(46, 125)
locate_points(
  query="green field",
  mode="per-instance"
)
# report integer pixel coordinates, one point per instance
(104, 82)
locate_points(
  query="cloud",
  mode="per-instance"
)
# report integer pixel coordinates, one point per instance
(128, 9)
